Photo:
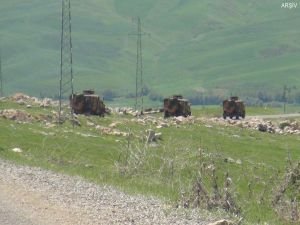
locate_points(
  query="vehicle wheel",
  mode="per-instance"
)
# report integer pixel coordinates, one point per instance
(166, 114)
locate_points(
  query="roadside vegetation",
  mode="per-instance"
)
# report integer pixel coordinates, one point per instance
(251, 176)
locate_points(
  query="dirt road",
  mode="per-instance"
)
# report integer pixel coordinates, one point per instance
(21, 206)
(32, 196)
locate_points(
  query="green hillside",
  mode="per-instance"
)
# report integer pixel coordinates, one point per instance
(232, 46)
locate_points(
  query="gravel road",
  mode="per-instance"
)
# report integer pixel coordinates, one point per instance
(32, 196)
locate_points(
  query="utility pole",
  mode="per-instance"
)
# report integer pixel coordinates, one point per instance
(139, 83)
(285, 96)
(66, 63)
(1, 78)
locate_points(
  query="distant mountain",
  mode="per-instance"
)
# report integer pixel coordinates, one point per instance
(224, 47)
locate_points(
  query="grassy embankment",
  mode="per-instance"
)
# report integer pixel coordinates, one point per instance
(181, 161)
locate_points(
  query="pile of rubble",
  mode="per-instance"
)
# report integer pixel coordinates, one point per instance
(25, 117)
(280, 127)
(17, 115)
(23, 99)
(277, 127)
(124, 111)
(160, 122)
(133, 112)
(110, 130)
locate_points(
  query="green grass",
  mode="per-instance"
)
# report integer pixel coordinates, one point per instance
(239, 47)
(217, 111)
(165, 170)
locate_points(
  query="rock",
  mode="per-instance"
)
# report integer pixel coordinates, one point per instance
(118, 133)
(20, 96)
(114, 125)
(23, 99)
(239, 162)
(295, 125)
(229, 160)
(18, 150)
(179, 119)
(221, 222)
(46, 102)
(163, 124)
(21, 102)
(158, 136)
(17, 115)
(211, 167)
(271, 130)
(90, 124)
(150, 136)
(284, 124)
(262, 127)
(49, 125)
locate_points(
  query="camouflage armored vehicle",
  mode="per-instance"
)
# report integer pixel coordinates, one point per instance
(176, 106)
(87, 103)
(233, 107)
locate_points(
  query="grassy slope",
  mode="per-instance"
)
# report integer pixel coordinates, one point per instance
(193, 44)
(165, 170)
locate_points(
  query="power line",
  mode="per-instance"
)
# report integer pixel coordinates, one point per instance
(66, 63)
(1, 77)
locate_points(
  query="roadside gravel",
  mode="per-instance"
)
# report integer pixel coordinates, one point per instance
(37, 196)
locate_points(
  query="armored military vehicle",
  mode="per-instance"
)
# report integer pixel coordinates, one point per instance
(176, 106)
(233, 107)
(87, 103)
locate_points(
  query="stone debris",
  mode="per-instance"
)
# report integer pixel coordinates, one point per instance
(281, 127)
(46, 102)
(17, 115)
(133, 112)
(184, 120)
(27, 100)
(152, 136)
(111, 131)
(230, 160)
(152, 112)
(90, 124)
(262, 127)
(86, 135)
(125, 111)
(17, 150)
(114, 124)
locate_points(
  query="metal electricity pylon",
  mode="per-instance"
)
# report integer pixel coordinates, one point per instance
(66, 70)
(139, 83)
(1, 77)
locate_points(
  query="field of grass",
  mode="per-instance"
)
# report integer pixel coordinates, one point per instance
(217, 111)
(237, 47)
(188, 156)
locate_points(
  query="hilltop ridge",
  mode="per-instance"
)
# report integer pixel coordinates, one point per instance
(192, 47)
